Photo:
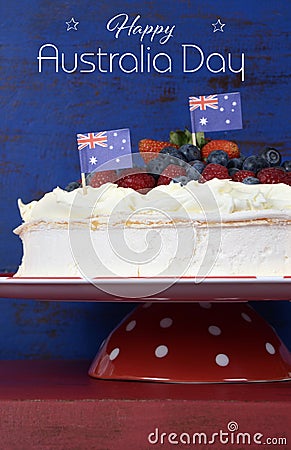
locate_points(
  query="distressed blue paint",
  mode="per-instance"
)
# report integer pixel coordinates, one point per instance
(41, 113)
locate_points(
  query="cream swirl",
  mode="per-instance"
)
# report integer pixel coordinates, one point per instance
(231, 200)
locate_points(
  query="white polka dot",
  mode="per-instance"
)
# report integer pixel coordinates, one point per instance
(232, 110)
(161, 351)
(215, 331)
(117, 160)
(130, 326)
(246, 317)
(221, 109)
(114, 134)
(225, 97)
(233, 103)
(205, 305)
(227, 121)
(114, 354)
(123, 141)
(166, 322)
(111, 147)
(122, 148)
(270, 349)
(222, 360)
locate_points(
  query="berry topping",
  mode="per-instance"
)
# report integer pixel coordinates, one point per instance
(242, 174)
(272, 175)
(72, 186)
(191, 152)
(148, 148)
(254, 163)
(183, 180)
(197, 165)
(156, 166)
(235, 163)
(214, 171)
(171, 172)
(136, 179)
(98, 178)
(194, 171)
(251, 180)
(272, 156)
(218, 157)
(228, 147)
(173, 155)
(287, 166)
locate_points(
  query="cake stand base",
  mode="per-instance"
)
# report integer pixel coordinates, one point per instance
(193, 343)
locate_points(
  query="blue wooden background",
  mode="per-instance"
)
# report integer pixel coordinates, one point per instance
(42, 112)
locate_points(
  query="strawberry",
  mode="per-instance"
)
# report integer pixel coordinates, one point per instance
(214, 171)
(136, 179)
(148, 148)
(170, 172)
(242, 174)
(99, 178)
(229, 147)
(272, 175)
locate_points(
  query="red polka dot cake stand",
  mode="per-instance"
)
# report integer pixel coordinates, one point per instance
(193, 343)
(183, 331)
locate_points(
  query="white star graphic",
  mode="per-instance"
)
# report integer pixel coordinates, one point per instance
(203, 121)
(218, 26)
(93, 160)
(72, 24)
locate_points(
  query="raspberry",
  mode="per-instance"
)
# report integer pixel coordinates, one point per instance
(242, 174)
(170, 172)
(214, 171)
(271, 175)
(137, 180)
(99, 178)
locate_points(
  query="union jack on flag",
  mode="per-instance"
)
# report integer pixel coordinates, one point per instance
(218, 112)
(202, 102)
(91, 140)
(104, 150)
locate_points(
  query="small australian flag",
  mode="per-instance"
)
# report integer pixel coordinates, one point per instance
(104, 150)
(218, 112)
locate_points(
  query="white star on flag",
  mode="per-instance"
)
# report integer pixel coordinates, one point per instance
(203, 121)
(93, 160)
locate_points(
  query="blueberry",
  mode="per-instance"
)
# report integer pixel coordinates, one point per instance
(233, 170)
(255, 163)
(191, 152)
(218, 157)
(287, 166)
(72, 186)
(194, 170)
(251, 180)
(172, 151)
(198, 165)
(272, 156)
(183, 180)
(235, 163)
(192, 173)
(156, 166)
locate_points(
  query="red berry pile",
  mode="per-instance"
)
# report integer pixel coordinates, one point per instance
(181, 161)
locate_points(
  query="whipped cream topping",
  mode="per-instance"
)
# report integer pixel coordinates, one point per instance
(225, 199)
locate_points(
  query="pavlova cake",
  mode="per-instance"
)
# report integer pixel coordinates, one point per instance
(190, 212)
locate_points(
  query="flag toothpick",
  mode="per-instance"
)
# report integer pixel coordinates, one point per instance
(84, 185)
(104, 150)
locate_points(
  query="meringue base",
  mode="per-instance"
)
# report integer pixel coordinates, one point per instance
(148, 248)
